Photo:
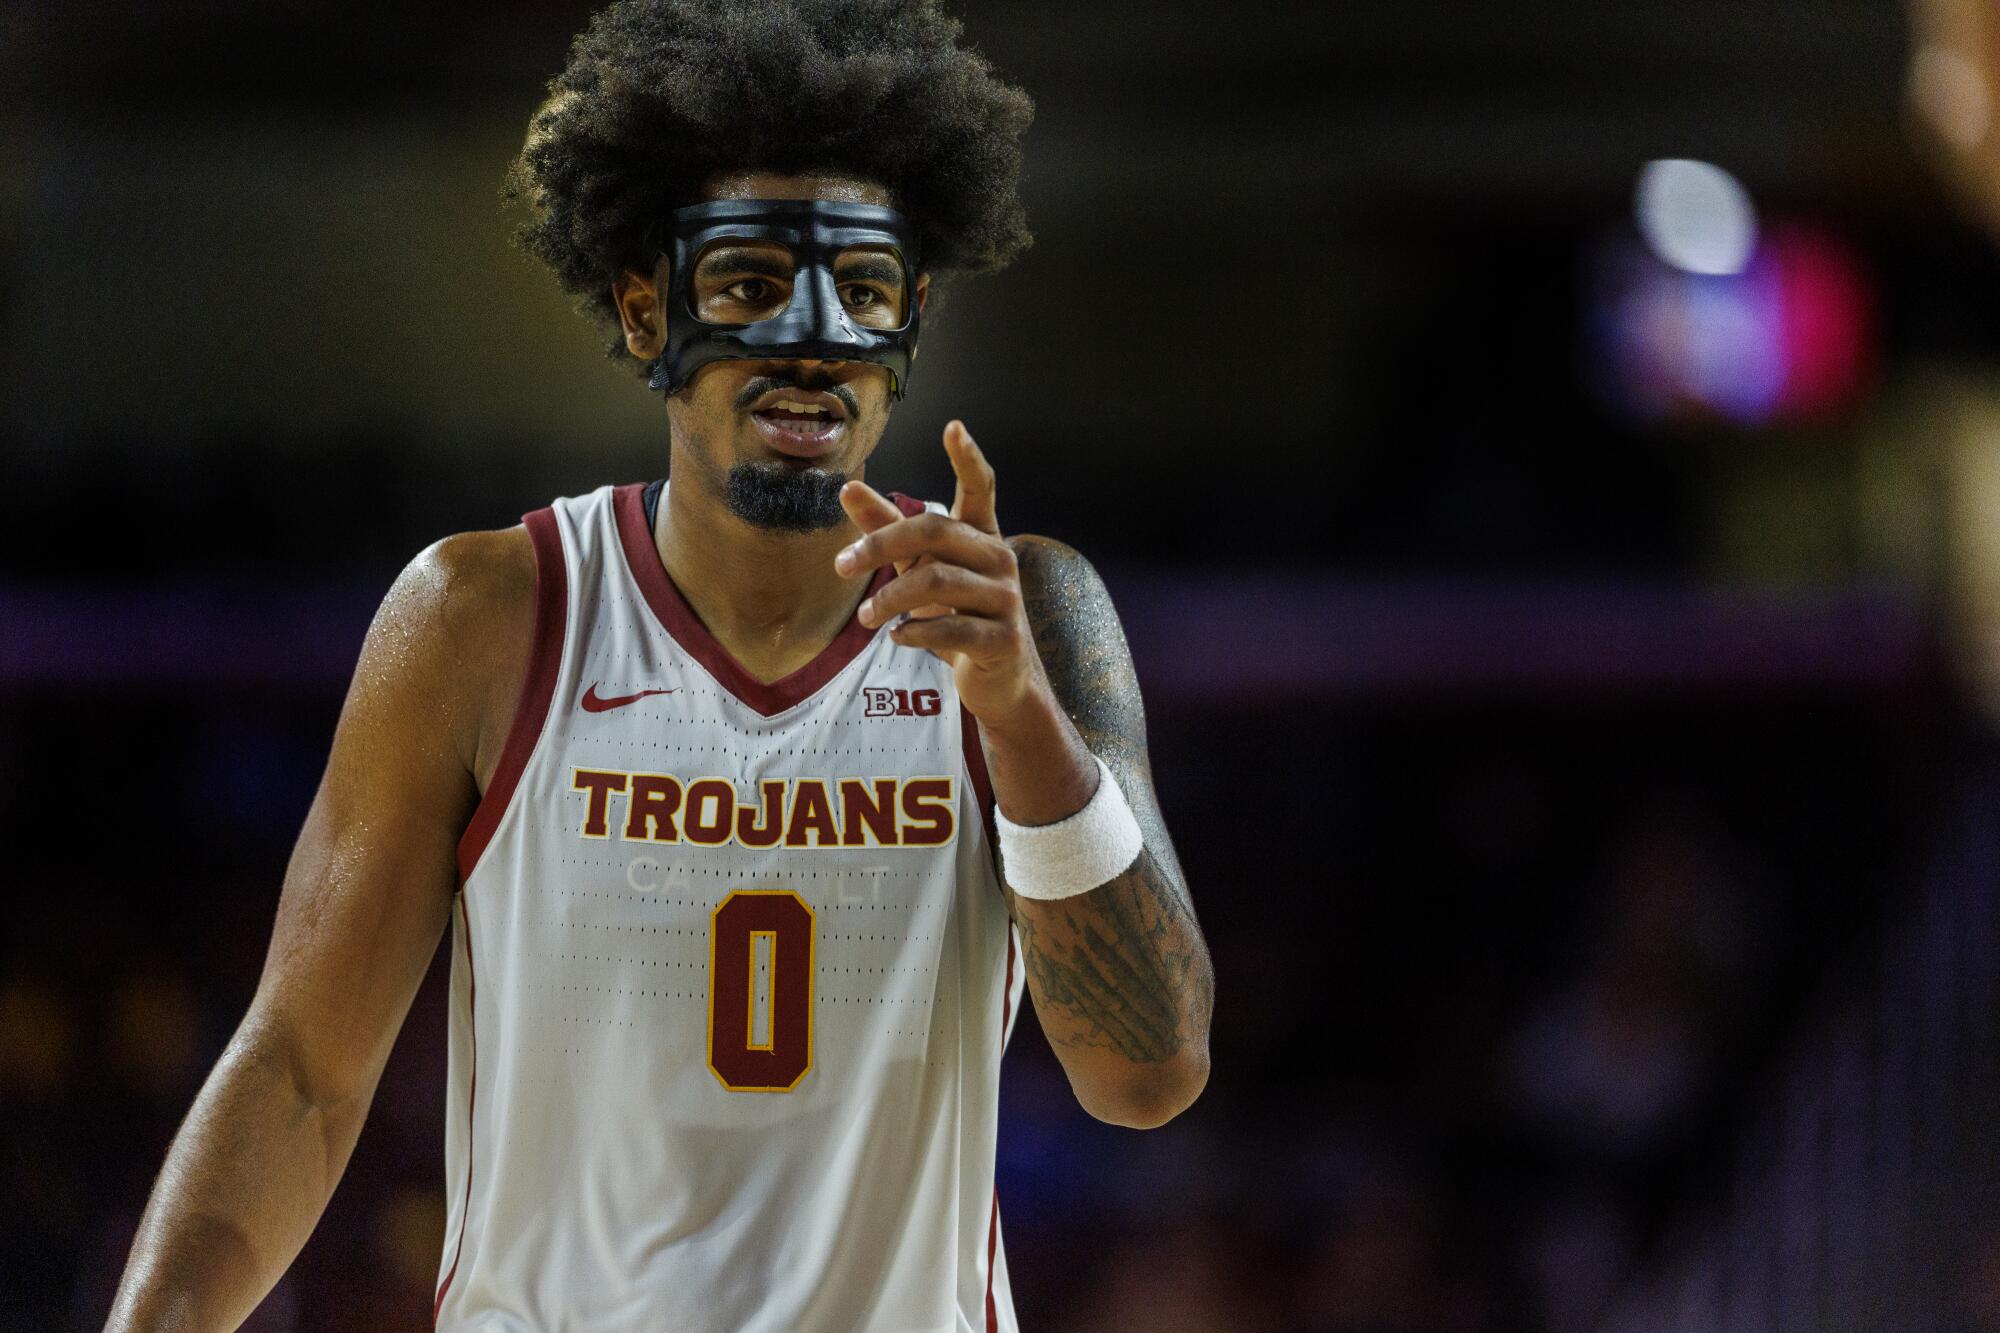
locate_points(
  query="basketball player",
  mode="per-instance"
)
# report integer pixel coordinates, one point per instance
(709, 776)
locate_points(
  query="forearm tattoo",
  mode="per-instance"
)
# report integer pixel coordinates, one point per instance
(1122, 967)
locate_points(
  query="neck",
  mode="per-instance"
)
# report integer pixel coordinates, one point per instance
(771, 599)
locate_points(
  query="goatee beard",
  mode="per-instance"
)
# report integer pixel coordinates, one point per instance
(785, 499)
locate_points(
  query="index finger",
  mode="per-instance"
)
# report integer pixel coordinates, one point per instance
(868, 507)
(973, 502)
(871, 511)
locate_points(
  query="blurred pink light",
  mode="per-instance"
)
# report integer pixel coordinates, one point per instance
(1790, 338)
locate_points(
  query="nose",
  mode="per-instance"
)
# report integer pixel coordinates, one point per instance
(816, 372)
(831, 326)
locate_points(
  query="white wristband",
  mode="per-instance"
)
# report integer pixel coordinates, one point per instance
(1093, 846)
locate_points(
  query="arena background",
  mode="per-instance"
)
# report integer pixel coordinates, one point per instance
(1565, 617)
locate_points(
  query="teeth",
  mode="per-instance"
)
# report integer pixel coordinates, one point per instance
(806, 427)
(787, 405)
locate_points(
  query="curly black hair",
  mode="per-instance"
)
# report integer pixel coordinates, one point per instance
(661, 95)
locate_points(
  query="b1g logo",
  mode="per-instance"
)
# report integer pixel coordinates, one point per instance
(881, 701)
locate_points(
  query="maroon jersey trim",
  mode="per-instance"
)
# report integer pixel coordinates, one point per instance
(471, 1098)
(537, 690)
(993, 1219)
(975, 764)
(680, 621)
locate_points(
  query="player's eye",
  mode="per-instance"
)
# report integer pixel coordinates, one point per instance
(749, 291)
(858, 295)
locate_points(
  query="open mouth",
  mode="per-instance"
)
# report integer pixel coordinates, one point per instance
(804, 429)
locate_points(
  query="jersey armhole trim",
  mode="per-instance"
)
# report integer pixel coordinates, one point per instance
(975, 767)
(993, 1218)
(537, 689)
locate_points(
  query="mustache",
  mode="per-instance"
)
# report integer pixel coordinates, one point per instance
(763, 384)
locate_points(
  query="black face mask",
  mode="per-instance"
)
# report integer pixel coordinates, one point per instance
(850, 270)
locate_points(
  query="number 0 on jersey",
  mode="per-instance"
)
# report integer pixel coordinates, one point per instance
(769, 1051)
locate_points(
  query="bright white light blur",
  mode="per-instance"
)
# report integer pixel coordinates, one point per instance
(1949, 93)
(1696, 216)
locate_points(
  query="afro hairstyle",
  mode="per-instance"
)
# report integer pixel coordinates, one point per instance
(660, 96)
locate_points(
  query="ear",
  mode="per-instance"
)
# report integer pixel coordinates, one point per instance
(640, 315)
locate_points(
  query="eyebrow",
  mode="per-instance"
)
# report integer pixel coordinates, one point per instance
(871, 268)
(741, 259)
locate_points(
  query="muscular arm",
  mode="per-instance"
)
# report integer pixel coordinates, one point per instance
(1121, 974)
(365, 899)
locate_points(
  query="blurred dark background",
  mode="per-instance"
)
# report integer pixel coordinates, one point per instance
(1562, 586)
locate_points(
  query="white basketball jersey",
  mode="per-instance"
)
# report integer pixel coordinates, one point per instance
(732, 979)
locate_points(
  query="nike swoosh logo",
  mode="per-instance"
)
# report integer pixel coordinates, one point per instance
(593, 702)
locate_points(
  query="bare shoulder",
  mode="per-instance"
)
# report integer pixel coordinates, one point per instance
(479, 585)
(1055, 568)
(455, 631)
(1064, 594)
